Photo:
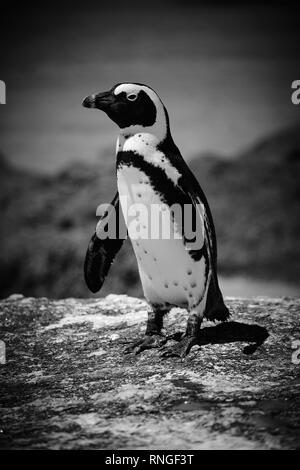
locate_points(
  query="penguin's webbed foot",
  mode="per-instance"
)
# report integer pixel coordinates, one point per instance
(181, 348)
(148, 342)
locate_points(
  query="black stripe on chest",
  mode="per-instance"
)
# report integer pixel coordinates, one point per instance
(168, 191)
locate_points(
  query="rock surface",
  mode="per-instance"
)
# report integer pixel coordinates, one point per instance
(66, 383)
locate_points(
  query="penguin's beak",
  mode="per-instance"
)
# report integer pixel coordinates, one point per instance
(100, 100)
(89, 101)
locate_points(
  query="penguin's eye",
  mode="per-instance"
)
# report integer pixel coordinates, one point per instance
(132, 97)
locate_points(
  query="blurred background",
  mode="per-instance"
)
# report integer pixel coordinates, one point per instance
(224, 71)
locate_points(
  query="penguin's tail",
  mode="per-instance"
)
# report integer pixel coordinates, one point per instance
(215, 308)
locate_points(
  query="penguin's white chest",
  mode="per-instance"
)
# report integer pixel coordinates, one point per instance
(168, 273)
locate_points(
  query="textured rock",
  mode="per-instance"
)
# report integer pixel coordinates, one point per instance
(67, 384)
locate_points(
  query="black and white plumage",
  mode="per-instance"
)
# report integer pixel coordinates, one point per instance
(152, 172)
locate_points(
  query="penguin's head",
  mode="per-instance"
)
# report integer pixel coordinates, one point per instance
(133, 107)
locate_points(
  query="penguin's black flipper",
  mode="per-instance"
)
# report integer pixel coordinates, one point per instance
(102, 249)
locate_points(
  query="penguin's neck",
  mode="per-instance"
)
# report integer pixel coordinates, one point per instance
(145, 140)
(140, 142)
(137, 137)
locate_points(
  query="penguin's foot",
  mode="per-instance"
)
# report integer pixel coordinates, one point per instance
(148, 342)
(180, 349)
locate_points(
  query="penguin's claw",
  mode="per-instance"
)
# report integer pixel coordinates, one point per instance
(180, 349)
(148, 342)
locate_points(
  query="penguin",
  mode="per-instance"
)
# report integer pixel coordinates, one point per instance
(175, 270)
